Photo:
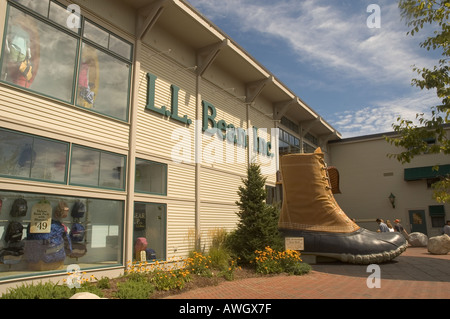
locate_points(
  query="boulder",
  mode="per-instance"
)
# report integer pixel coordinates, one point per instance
(439, 245)
(418, 239)
(85, 295)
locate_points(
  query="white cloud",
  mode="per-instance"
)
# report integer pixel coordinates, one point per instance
(333, 38)
(379, 117)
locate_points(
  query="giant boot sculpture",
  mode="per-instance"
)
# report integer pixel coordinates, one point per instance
(309, 210)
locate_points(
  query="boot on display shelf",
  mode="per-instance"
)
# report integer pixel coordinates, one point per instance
(310, 211)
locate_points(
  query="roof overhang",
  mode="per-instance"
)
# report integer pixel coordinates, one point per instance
(213, 46)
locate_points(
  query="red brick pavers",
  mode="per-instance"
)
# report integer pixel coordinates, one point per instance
(415, 274)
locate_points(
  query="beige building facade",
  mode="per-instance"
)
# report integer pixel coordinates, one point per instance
(368, 177)
(127, 126)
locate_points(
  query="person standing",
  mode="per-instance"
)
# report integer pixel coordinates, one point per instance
(446, 228)
(382, 226)
(389, 225)
(400, 229)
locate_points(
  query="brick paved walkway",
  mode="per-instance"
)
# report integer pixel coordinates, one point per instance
(415, 274)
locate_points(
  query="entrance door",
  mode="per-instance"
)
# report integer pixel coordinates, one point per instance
(417, 221)
(150, 223)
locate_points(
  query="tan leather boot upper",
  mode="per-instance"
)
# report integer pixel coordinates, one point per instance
(308, 202)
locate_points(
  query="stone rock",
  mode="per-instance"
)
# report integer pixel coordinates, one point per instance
(439, 245)
(85, 295)
(418, 239)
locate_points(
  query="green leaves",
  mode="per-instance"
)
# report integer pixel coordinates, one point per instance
(258, 221)
(429, 135)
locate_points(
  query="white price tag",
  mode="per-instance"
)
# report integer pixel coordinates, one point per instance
(143, 255)
(41, 218)
(294, 243)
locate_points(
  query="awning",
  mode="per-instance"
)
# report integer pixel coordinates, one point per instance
(437, 211)
(418, 173)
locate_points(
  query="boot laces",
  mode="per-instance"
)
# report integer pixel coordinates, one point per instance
(327, 176)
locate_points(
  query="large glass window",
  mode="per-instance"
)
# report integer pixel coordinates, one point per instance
(308, 148)
(85, 166)
(107, 40)
(437, 215)
(42, 53)
(311, 138)
(288, 144)
(151, 177)
(37, 158)
(40, 7)
(96, 34)
(30, 157)
(290, 124)
(149, 236)
(38, 56)
(103, 83)
(91, 167)
(42, 233)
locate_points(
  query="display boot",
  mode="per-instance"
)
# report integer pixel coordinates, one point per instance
(309, 210)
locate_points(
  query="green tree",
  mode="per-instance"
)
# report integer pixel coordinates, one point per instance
(258, 222)
(413, 138)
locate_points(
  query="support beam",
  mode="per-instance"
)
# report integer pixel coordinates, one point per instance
(207, 55)
(281, 108)
(253, 89)
(306, 126)
(148, 16)
(324, 139)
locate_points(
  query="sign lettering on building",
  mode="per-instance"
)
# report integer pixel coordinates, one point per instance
(224, 130)
(173, 112)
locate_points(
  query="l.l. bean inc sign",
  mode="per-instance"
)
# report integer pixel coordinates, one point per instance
(224, 130)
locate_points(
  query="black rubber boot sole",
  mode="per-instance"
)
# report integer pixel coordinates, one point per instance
(359, 247)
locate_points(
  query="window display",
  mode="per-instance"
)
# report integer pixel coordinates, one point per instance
(103, 83)
(41, 53)
(149, 235)
(46, 242)
(38, 56)
(41, 232)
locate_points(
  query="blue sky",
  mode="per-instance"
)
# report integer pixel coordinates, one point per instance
(357, 78)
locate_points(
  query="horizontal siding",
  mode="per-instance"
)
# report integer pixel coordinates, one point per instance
(219, 187)
(180, 228)
(181, 182)
(216, 217)
(60, 121)
(216, 153)
(218, 203)
(264, 125)
(229, 108)
(157, 134)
